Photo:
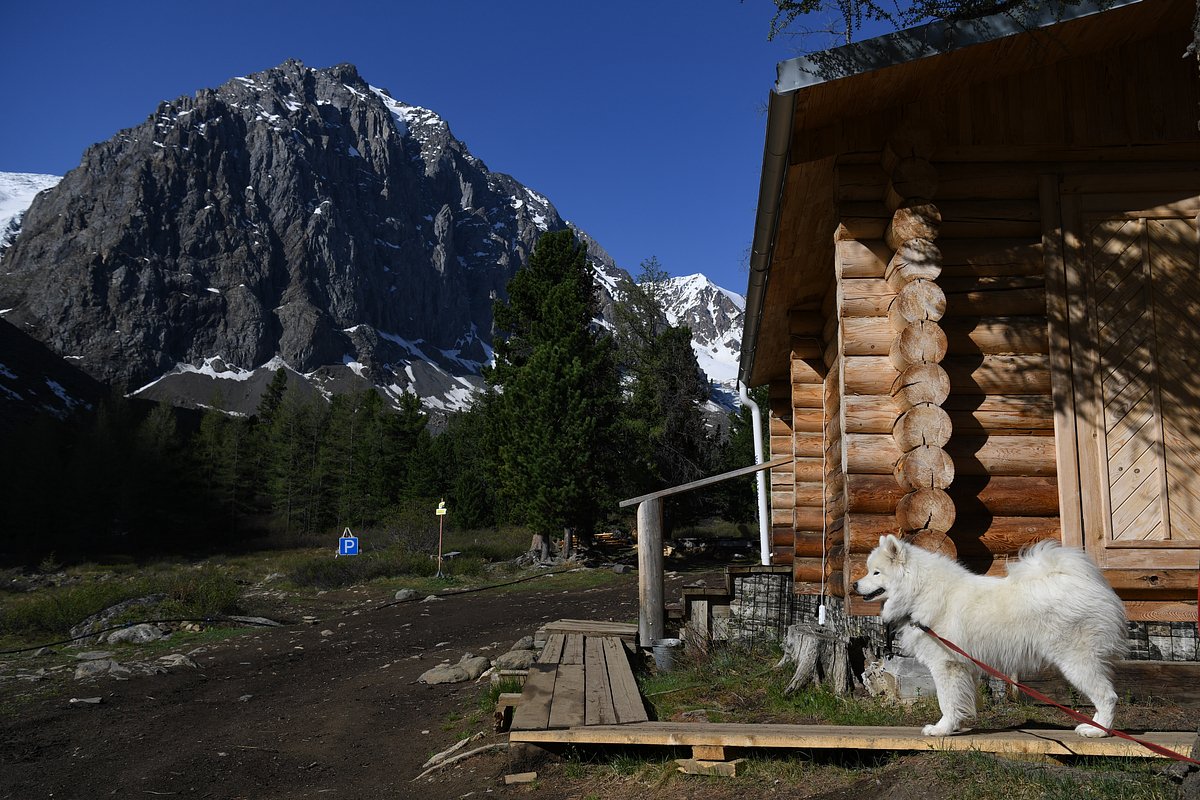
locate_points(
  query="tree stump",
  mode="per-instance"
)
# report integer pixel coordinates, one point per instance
(821, 656)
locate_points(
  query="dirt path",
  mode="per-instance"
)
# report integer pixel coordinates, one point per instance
(290, 713)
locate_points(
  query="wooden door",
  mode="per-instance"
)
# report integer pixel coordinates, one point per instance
(1132, 266)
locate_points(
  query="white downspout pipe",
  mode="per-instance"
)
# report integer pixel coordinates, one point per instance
(764, 526)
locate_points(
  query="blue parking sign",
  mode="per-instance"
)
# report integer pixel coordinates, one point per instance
(348, 544)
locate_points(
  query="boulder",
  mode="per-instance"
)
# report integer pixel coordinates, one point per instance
(176, 660)
(406, 595)
(515, 659)
(467, 669)
(524, 643)
(136, 634)
(100, 667)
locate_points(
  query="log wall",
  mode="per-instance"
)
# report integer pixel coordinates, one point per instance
(999, 446)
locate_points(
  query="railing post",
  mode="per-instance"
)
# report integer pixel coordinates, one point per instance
(651, 612)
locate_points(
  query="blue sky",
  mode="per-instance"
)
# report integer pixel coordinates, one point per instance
(643, 122)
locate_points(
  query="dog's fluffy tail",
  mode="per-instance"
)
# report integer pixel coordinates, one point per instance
(1048, 557)
(1089, 598)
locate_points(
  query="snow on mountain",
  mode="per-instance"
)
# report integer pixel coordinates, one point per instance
(17, 190)
(716, 317)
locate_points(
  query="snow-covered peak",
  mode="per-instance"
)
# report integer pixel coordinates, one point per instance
(716, 317)
(17, 190)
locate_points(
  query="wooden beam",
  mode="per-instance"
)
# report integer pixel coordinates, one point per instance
(838, 737)
(724, 476)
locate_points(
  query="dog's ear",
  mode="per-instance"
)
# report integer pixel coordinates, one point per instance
(892, 547)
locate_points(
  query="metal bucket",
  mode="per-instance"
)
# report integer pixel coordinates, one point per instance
(664, 651)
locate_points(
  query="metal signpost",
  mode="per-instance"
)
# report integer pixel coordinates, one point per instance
(441, 514)
(348, 544)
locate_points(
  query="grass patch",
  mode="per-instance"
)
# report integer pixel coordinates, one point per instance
(326, 572)
(980, 776)
(739, 684)
(50, 612)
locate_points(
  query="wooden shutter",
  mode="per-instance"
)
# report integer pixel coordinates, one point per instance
(1133, 297)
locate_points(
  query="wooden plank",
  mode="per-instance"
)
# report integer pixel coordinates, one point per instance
(533, 712)
(839, 737)
(592, 627)
(598, 702)
(573, 649)
(627, 700)
(552, 652)
(566, 707)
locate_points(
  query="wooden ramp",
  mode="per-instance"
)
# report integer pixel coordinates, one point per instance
(582, 678)
(709, 740)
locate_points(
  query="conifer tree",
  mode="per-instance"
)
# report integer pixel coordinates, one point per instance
(663, 424)
(558, 397)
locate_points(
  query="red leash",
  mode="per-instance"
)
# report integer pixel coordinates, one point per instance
(1035, 694)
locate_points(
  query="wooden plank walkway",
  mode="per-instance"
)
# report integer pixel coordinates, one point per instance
(581, 678)
(709, 737)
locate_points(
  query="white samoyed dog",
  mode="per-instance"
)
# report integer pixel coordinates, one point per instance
(1054, 607)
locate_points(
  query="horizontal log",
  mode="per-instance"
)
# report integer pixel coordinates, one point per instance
(976, 539)
(808, 569)
(778, 427)
(1000, 302)
(1014, 256)
(808, 494)
(962, 284)
(1151, 583)
(808, 469)
(781, 555)
(808, 419)
(970, 298)
(782, 537)
(808, 518)
(871, 336)
(973, 495)
(807, 445)
(989, 374)
(1006, 181)
(835, 584)
(782, 497)
(859, 182)
(862, 259)
(807, 395)
(962, 219)
(807, 370)
(808, 544)
(783, 479)
(1029, 456)
(970, 414)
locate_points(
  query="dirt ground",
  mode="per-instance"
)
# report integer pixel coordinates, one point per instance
(290, 713)
(334, 709)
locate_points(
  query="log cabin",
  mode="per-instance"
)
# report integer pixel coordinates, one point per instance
(974, 295)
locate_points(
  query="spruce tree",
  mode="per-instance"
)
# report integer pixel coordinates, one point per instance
(558, 394)
(666, 436)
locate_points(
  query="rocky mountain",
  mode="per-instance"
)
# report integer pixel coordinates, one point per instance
(297, 218)
(716, 317)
